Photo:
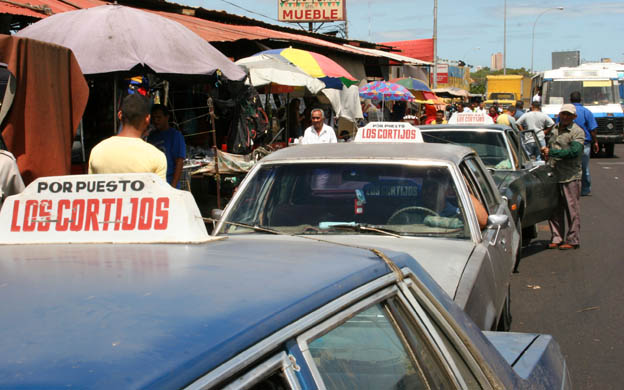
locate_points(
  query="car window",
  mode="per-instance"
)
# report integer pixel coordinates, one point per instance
(371, 351)
(329, 198)
(488, 194)
(489, 145)
(515, 145)
(276, 373)
(452, 342)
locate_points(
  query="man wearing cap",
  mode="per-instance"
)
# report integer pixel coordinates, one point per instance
(564, 153)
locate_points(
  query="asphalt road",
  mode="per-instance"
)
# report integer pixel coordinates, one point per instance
(578, 295)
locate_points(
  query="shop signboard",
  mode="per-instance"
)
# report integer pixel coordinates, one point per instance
(110, 208)
(311, 11)
(388, 132)
(443, 73)
(470, 118)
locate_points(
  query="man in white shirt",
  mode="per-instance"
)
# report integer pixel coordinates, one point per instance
(319, 132)
(536, 120)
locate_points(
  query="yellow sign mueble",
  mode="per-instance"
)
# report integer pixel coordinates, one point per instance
(110, 208)
(388, 132)
(311, 11)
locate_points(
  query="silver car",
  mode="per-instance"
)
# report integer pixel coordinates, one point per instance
(415, 198)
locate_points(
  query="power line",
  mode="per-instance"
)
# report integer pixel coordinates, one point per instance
(248, 10)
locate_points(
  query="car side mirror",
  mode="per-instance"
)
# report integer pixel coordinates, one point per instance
(498, 222)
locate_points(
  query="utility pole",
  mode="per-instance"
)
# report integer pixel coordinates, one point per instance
(505, 40)
(435, 43)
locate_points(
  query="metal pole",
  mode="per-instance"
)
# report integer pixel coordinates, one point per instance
(435, 43)
(533, 31)
(216, 151)
(505, 40)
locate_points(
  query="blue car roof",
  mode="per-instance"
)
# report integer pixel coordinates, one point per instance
(159, 315)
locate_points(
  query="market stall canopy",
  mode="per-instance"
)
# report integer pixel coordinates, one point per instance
(112, 38)
(50, 97)
(345, 102)
(267, 70)
(314, 64)
(411, 84)
(451, 92)
(384, 90)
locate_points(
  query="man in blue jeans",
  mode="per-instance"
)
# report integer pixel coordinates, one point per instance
(586, 120)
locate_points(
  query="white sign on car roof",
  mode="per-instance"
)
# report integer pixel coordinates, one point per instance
(388, 132)
(111, 208)
(470, 118)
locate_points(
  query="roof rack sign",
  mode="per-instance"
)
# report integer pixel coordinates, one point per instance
(110, 208)
(388, 132)
(470, 118)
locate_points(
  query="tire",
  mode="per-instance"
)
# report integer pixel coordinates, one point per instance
(528, 233)
(504, 320)
(609, 148)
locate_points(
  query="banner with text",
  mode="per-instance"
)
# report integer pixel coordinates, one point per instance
(388, 132)
(311, 11)
(112, 208)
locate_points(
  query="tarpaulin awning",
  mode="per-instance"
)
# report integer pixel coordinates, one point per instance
(49, 101)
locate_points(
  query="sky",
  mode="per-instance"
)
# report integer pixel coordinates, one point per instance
(474, 30)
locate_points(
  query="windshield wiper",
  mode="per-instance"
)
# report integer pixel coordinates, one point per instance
(358, 227)
(256, 228)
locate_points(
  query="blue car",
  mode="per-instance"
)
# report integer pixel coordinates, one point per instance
(247, 313)
(112, 282)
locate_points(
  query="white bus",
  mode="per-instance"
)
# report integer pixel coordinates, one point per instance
(600, 93)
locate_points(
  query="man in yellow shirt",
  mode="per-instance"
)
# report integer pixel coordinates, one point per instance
(439, 120)
(127, 152)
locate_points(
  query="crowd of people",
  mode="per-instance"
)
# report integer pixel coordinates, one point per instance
(566, 145)
(147, 143)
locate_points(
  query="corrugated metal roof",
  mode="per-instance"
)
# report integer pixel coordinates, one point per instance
(416, 48)
(10, 9)
(221, 32)
(209, 30)
(48, 7)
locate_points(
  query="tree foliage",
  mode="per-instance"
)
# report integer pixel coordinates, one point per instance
(479, 77)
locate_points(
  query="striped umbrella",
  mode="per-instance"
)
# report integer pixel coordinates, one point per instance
(314, 64)
(411, 84)
(384, 90)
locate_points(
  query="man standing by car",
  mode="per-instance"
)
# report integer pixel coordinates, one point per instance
(539, 122)
(127, 152)
(586, 120)
(564, 152)
(169, 141)
(319, 132)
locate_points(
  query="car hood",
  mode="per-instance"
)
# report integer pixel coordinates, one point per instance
(443, 258)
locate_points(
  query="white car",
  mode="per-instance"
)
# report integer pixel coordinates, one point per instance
(409, 197)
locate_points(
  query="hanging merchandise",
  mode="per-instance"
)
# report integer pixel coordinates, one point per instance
(138, 84)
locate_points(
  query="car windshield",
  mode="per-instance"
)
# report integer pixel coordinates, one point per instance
(350, 198)
(489, 145)
(502, 96)
(593, 92)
